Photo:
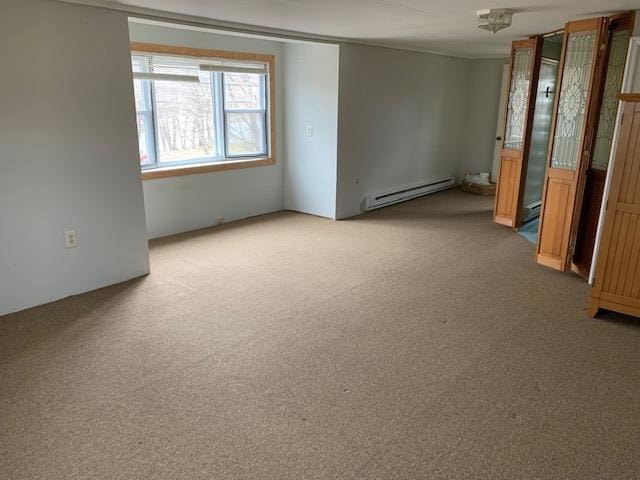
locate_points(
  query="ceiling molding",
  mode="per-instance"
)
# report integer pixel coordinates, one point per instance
(160, 16)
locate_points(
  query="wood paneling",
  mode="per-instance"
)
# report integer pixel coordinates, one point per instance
(558, 193)
(617, 279)
(507, 193)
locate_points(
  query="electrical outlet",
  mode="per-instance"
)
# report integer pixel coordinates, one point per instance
(219, 220)
(308, 131)
(70, 239)
(356, 180)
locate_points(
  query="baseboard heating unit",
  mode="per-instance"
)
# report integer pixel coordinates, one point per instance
(406, 193)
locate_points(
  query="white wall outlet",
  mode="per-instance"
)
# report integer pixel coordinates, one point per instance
(308, 130)
(70, 239)
(356, 180)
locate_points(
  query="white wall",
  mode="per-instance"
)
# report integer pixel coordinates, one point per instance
(483, 91)
(180, 204)
(311, 99)
(69, 158)
(68, 153)
(402, 118)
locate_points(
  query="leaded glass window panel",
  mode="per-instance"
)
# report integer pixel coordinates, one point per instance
(573, 98)
(518, 93)
(609, 107)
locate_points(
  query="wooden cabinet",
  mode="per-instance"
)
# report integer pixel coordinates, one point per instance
(617, 278)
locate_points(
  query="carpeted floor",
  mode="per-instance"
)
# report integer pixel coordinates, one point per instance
(415, 342)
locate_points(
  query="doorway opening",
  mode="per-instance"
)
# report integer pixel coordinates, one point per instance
(541, 129)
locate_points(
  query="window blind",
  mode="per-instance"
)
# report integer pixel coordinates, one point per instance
(187, 69)
(217, 65)
(158, 67)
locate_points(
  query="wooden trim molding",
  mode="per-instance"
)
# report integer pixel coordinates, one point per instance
(623, 20)
(269, 60)
(156, 173)
(198, 52)
(630, 97)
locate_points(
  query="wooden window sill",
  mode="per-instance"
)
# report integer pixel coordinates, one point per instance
(181, 170)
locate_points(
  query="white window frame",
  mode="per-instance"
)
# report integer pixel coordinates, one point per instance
(225, 161)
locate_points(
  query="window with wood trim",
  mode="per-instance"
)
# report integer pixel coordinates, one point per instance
(201, 108)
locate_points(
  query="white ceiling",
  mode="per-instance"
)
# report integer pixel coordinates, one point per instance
(444, 26)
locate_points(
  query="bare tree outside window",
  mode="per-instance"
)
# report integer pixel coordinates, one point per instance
(184, 120)
(245, 113)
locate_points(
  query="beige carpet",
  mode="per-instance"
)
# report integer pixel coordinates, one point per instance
(418, 342)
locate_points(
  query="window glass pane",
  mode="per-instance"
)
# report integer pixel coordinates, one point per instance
(139, 94)
(576, 76)
(245, 134)
(143, 140)
(243, 91)
(202, 116)
(184, 117)
(609, 108)
(518, 93)
(141, 88)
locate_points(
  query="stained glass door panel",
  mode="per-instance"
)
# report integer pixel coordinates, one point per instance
(518, 96)
(576, 79)
(572, 130)
(525, 67)
(612, 84)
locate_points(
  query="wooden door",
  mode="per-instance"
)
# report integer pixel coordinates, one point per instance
(571, 134)
(523, 75)
(620, 30)
(617, 278)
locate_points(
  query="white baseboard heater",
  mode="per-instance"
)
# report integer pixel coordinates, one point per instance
(406, 193)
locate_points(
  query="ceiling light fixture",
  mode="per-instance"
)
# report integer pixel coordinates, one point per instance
(494, 19)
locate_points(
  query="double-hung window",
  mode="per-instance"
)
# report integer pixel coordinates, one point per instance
(201, 110)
